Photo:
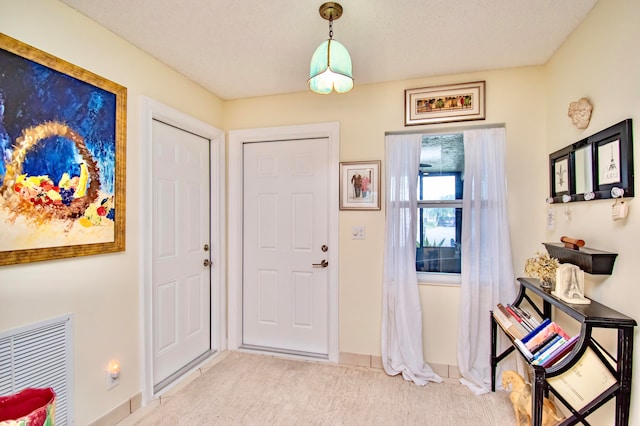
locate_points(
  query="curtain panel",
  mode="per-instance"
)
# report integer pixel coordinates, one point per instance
(487, 269)
(402, 351)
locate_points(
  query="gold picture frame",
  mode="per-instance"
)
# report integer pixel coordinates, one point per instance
(360, 185)
(444, 104)
(62, 176)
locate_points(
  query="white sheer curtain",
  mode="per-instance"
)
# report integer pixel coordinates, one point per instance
(402, 314)
(487, 270)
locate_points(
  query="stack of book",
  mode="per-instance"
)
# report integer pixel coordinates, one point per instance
(516, 321)
(542, 342)
(546, 344)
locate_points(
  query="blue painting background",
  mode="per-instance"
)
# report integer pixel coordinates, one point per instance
(31, 94)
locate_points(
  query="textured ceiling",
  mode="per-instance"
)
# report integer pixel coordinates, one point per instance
(239, 49)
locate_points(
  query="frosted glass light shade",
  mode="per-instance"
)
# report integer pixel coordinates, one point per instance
(330, 68)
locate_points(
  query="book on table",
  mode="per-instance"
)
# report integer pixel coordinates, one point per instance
(584, 381)
(540, 356)
(521, 331)
(515, 319)
(547, 335)
(550, 329)
(516, 313)
(507, 325)
(558, 354)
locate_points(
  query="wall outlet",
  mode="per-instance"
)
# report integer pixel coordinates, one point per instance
(112, 382)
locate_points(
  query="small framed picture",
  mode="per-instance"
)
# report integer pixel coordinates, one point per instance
(360, 185)
(613, 162)
(561, 175)
(444, 104)
(609, 162)
(560, 172)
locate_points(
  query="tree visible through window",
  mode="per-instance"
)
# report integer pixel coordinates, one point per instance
(440, 184)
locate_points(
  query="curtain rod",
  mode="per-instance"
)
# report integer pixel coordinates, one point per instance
(445, 129)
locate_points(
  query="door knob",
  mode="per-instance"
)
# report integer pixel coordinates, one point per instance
(322, 264)
(206, 263)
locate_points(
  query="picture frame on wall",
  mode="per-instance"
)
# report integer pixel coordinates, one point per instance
(613, 162)
(561, 175)
(444, 104)
(561, 172)
(596, 165)
(609, 162)
(62, 181)
(360, 185)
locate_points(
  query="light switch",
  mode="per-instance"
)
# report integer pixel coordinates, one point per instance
(358, 232)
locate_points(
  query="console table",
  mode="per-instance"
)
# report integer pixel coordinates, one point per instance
(593, 315)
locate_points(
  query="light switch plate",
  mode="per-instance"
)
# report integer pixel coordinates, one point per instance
(358, 232)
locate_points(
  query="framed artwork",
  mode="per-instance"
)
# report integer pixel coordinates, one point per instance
(444, 104)
(609, 162)
(597, 165)
(360, 185)
(62, 170)
(560, 176)
(614, 159)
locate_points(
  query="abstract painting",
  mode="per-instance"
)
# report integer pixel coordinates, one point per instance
(62, 158)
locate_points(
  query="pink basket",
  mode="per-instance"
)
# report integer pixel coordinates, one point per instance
(29, 407)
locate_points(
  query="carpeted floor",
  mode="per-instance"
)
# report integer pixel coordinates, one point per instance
(250, 389)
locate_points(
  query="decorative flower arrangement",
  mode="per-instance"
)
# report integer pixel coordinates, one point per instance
(542, 266)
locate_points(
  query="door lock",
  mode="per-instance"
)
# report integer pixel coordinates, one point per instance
(206, 263)
(322, 264)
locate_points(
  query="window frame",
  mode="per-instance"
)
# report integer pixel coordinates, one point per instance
(441, 278)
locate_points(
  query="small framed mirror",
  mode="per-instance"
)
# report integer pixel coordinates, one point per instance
(594, 166)
(583, 167)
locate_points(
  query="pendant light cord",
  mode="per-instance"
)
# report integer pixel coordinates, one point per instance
(331, 27)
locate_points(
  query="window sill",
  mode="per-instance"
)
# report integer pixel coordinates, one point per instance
(432, 278)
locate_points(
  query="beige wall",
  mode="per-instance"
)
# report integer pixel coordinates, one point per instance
(515, 97)
(597, 61)
(101, 291)
(600, 61)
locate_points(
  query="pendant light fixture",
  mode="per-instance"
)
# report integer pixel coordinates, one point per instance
(330, 67)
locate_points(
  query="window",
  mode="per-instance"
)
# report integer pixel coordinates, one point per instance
(440, 184)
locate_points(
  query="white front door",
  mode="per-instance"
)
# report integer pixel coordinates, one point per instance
(181, 280)
(285, 288)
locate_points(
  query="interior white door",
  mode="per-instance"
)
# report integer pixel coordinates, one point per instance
(181, 280)
(285, 232)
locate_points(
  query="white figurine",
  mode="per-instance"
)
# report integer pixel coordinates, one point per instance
(570, 285)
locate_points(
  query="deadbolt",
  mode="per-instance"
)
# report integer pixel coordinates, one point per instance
(206, 247)
(324, 248)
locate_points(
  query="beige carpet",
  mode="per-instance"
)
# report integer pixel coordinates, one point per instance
(249, 389)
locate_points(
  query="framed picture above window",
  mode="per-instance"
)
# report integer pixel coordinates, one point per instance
(360, 185)
(444, 104)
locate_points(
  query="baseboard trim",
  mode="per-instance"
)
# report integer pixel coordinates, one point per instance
(375, 361)
(121, 412)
